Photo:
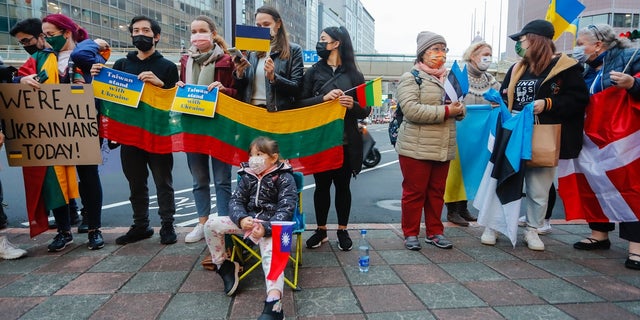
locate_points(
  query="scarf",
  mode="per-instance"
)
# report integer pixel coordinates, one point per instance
(437, 73)
(201, 66)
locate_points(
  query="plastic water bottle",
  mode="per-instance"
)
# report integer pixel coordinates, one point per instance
(363, 248)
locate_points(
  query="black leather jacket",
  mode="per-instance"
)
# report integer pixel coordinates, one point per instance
(281, 94)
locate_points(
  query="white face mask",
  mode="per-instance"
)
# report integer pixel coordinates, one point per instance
(257, 164)
(485, 62)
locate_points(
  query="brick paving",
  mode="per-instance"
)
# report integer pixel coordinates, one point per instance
(147, 280)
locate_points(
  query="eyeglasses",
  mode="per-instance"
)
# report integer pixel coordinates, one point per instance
(597, 32)
(438, 50)
(53, 35)
(26, 41)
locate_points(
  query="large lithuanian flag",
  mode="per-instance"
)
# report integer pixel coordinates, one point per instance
(310, 138)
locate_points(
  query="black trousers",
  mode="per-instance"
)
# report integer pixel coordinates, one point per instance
(629, 231)
(90, 189)
(136, 164)
(340, 178)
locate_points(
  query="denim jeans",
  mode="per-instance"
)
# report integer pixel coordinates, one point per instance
(134, 165)
(199, 167)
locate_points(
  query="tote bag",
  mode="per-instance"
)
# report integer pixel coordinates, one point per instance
(545, 145)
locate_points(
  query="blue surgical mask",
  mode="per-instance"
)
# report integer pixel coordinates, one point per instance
(578, 54)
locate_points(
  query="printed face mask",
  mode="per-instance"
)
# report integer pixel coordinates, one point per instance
(202, 41)
(257, 164)
(142, 42)
(578, 54)
(321, 48)
(520, 50)
(436, 60)
(485, 62)
(57, 42)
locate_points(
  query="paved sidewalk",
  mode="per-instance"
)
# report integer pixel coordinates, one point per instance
(147, 280)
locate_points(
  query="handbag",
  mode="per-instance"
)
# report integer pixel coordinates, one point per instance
(545, 145)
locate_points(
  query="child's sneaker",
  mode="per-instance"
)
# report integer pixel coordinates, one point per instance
(439, 241)
(272, 311)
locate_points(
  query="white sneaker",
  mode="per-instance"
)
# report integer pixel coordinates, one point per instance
(546, 227)
(8, 251)
(196, 234)
(489, 237)
(522, 221)
(532, 240)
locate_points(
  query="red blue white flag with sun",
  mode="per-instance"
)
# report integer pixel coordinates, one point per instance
(281, 231)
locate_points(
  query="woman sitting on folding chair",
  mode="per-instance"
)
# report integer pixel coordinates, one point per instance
(266, 192)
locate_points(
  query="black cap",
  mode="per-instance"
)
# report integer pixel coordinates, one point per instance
(540, 27)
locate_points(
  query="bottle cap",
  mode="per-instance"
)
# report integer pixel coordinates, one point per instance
(363, 231)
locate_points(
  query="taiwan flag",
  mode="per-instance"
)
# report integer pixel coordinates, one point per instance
(281, 231)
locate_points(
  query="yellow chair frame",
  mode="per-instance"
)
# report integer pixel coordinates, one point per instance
(244, 253)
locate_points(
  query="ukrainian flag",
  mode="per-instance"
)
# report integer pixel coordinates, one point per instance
(253, 38)
(562, 13)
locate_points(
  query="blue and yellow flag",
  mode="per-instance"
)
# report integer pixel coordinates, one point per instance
(562, 13)
(253, 38)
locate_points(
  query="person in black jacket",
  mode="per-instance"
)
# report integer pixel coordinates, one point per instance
(152, 68)
(326, 80)
(271, 80)
(553, 83)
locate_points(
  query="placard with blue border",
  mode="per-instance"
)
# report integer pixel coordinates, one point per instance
(196, 100)
(118, 87)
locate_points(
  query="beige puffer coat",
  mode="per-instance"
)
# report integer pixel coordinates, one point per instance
(425, 133)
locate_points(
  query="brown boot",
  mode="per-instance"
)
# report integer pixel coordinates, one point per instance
(464, 212)
(453, 216)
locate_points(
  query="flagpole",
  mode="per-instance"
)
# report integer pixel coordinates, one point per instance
(370, 81)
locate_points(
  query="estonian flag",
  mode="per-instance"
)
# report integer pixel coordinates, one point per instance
(456, 86)
(500, 194)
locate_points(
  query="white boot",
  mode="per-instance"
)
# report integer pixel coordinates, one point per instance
(8, 251)
(489, 237)
(196, 234)
(532, 239)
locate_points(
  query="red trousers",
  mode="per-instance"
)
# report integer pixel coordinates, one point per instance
(422, 189)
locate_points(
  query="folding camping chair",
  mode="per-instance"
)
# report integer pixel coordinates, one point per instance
(250, 258)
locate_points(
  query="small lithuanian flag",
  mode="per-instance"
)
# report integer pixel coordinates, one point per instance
(370, 93)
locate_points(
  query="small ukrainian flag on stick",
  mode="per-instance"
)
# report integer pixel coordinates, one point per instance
(253, 38)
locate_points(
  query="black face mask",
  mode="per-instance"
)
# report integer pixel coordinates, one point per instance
(143, 43)
(321, 48)
(31, 49)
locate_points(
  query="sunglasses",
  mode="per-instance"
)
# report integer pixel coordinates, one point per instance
(597, 32)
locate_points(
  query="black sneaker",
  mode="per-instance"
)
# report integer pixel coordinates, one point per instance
(317, 238)
(229, 272)
(60, 241)
(95, 240)
(168, 234)
(135, 234)
(344, 241)
(272, 311)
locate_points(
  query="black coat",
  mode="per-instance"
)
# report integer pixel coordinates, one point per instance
(314, 89)
(569, 95)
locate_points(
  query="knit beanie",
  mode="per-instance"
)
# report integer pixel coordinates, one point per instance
(426, 39)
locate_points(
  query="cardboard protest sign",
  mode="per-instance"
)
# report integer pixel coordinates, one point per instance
(117, 86)
(54, 125)
(196, 100)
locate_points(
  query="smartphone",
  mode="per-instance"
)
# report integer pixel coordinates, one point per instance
(235, 54)
(42, 76)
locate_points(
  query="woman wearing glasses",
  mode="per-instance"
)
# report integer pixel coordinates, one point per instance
(553, 83)
(426, 141)
(606, 56)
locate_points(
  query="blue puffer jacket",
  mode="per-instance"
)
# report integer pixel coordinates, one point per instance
(615, 60)
(84, 55)
(272, 197)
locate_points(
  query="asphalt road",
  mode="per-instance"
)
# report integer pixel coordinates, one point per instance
(375, 192)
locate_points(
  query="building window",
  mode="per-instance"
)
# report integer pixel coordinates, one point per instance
(622, 20)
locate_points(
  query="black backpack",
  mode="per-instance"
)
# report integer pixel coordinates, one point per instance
(396, 120)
